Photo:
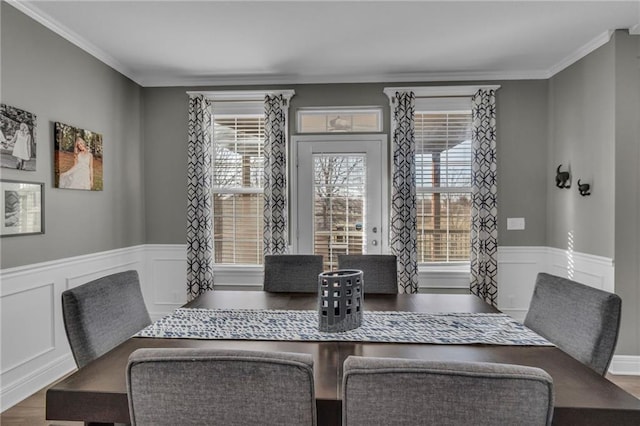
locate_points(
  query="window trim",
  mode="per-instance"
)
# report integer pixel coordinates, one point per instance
(234, 103)
(424, 103)
(461, 104)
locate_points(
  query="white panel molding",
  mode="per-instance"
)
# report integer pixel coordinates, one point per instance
(517, 270)
(166, 267)
(518, 267)
(45, 355)
(166, 289)
(162, 269)
(430, 279)
(47, 324)
(31, 382)
(594, 271)
(76, 280)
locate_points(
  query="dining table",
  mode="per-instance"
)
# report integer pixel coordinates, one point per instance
(96, 393)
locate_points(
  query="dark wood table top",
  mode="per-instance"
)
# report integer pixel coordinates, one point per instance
(97, 392)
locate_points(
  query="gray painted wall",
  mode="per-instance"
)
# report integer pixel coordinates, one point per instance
(594, 111)
(627, 189)
(46, 75)
(522, 151)
(580, 118)
(582, 137)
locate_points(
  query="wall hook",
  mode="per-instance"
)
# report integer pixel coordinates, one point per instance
(583, 188)
(563, 179)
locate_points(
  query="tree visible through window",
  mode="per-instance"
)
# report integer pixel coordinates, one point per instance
(443, 185)
(238, 189)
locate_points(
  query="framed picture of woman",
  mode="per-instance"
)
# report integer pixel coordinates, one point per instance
(78, 158)
(17, 138)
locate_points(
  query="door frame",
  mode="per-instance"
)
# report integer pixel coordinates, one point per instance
(379, 139)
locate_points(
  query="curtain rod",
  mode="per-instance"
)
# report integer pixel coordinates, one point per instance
(439, 91)
(242, 95)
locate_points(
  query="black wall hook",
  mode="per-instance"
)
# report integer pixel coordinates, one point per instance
(563, 179)
(583, 188)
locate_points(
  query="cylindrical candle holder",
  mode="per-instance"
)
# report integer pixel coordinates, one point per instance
(340, 300)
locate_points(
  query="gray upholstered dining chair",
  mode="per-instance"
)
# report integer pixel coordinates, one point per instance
(408, 392)
(380, 271)
(582, 321)
(295, 273)
(204, 386)
(103, 313)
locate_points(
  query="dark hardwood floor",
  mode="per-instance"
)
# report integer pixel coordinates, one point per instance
(30, 412)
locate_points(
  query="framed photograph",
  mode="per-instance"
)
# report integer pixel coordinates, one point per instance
(22, 208)
(77, 158)
(17, 138)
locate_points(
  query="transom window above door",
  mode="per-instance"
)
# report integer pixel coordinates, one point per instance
(340, 120)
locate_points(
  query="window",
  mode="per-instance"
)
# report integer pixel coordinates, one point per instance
(340, 120)
(237, 188)
(443, 181)
(238, 175)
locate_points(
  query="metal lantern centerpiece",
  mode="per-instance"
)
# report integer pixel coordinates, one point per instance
(340, 297)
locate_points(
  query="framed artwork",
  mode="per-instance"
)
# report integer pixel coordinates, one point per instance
(77, 158)
(17, 138)
(22, 208)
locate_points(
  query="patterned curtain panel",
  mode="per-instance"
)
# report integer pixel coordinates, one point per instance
(484, 211)
(199, 207)
(275, 175)
(403, 193)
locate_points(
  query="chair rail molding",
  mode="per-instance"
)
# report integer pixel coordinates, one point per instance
(35, 351)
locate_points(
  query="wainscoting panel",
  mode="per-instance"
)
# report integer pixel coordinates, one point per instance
(594, 271)
(31, 333)
(35, 351)
(517, 270)
(432, 280)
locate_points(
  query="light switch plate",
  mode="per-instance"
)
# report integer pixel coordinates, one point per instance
(515, 223)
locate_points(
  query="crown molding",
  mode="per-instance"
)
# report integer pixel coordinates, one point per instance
(340, 78)
(27, 7)
(35, 13)
(581, 52)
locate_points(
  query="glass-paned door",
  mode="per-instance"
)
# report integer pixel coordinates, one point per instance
(339, 197)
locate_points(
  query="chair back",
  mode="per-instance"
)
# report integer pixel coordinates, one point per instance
(408, 392)
(292, 273)
(582, 321)
(204, 386)
(380, 271)
(103, 313)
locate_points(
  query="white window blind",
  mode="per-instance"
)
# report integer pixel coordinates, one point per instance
(443, 185)
(237, 188)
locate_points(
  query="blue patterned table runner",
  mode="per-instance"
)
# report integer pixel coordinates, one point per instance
(381, 327)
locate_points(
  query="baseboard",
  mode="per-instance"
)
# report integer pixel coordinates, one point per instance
(516, 314)
(625, 365)
(35, 349)
(17, 391)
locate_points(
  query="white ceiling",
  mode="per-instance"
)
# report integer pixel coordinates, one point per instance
(166, 43)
